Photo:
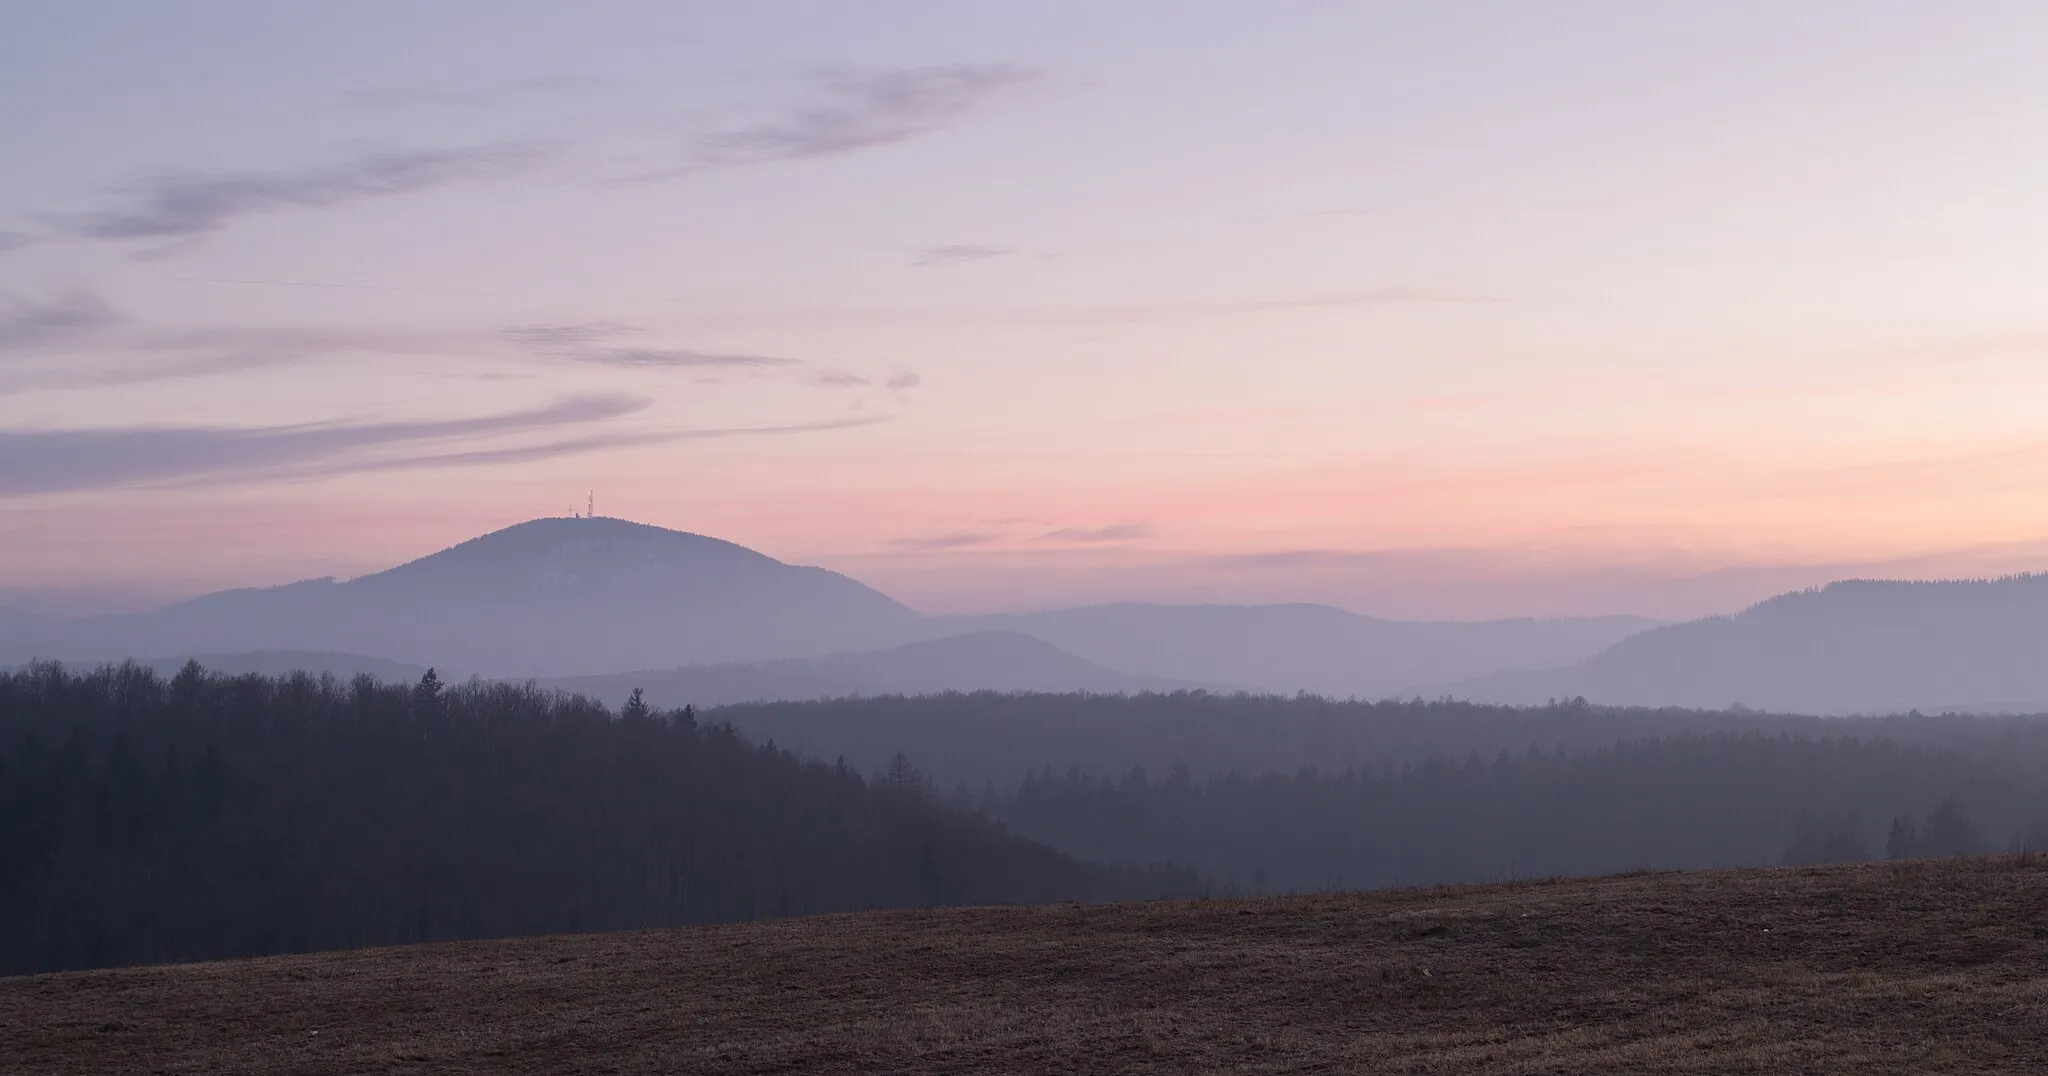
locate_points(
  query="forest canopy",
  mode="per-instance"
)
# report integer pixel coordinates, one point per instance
(145, 819)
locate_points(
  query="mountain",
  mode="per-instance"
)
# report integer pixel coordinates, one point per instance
(545, 597)
(18, 626)
(1859, 646)
(1314, 648)
(976, 661)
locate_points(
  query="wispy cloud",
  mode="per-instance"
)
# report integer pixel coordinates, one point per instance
(338, 286)
(307, 340)
(46, 461)
(573, 334)
(604, 343)
(957, 254)
(38, 331)
(17, 240)
(189, 205)
(1118, 315)
(958, 540)
(1095, 315)
(28, 323)
(657, 356)
(134, 375)
(557, 449)
(597, 342)
(849, 111)
(832, 377)
(839, 379)
(1115, 532)
(494, 96)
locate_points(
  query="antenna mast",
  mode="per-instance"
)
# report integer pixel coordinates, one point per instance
(590, 505)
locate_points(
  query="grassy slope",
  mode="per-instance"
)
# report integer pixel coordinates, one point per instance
(1924, 967)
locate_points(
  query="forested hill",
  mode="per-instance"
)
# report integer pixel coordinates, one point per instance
(144, 820)
(988, 737)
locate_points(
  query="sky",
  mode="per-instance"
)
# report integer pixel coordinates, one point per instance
(1425, 310)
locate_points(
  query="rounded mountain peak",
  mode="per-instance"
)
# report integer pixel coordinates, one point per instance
(582, 553)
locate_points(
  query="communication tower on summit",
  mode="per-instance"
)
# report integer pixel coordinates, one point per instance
(590, 505)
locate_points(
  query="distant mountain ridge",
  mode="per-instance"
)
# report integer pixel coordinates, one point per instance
(581, 597)
(1320, 649)
(1857, 646)
(976, 661)
(576, 599)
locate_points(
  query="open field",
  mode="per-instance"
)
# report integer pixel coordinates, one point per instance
(1917, 967)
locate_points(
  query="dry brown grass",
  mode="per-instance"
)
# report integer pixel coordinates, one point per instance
(1937, 967)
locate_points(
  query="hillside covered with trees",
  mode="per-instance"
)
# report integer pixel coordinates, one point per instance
(146, 820)
(993, 737)
(1687, 801)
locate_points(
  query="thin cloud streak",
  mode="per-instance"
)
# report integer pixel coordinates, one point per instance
(418, 97)
(558, 449)
(574, 342)
(1103, 315)
(1115, 532)
(854, 111)
(50, 461)
(657, 357)
(323, 285)
(139, 375)
(839, 379)
(191, 205)
(1133, 314)
(308, 339)
(26, 323)
(598, 343)
(959, 540)
(573, 334)
(17, 240)
(957, 254)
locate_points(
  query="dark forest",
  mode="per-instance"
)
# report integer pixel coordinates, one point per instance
(146, 820)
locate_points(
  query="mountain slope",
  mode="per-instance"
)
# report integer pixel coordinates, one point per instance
(976, 661)
(549, 596)
(1315, 648)
(1850, 647)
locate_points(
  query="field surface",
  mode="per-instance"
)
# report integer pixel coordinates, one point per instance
(1911, 968)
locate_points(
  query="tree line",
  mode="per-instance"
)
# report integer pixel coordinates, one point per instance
(1685, 801)
(146, 819)
(989, 736)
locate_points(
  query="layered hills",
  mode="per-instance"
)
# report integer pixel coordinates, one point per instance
(1305, 647)
(692, 618)
(584, 597)
(977, 661)
(1859, 646)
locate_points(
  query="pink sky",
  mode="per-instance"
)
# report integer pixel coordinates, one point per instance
(1423, 310)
